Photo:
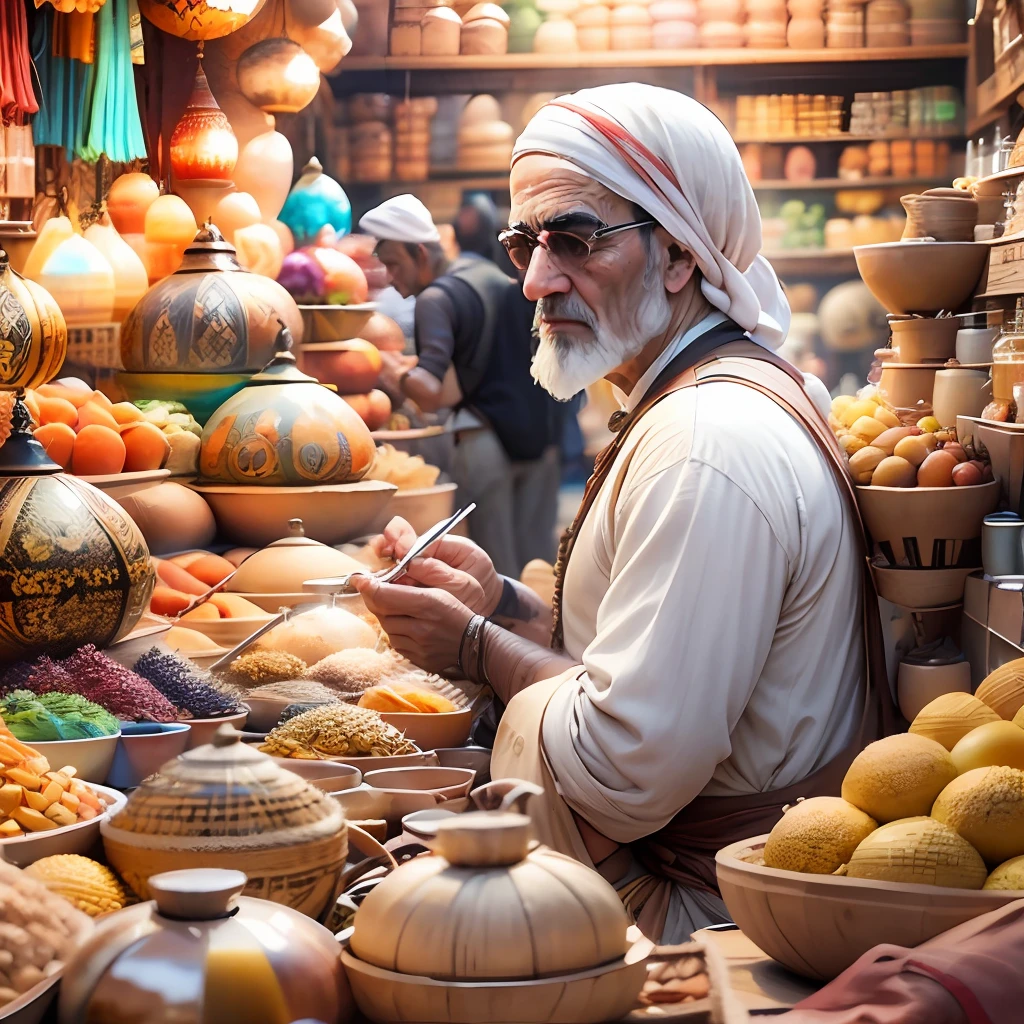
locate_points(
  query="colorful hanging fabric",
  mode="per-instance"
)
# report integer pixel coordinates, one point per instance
(16, 94)
(65, 86)
(114, 127)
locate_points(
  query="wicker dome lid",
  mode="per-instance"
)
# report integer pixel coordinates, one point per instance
(225, 795)
(486, 907)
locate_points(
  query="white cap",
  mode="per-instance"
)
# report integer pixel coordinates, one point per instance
(401, 219)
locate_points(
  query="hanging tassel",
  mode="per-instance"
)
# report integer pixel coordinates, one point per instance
(17, 97)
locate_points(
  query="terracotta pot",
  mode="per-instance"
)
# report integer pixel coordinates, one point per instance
(923, 340)
(352, 366)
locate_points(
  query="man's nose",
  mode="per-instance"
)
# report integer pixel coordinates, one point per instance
(543, 277)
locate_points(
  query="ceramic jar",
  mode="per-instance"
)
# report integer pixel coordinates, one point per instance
(33, 333)
(202, 952)
(210, 316)
(226, 805)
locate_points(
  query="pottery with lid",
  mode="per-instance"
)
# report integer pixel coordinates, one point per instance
(285, 428)
(493, 924)
(209, 316)
(202, 952)
(226, 805)
(283, 566)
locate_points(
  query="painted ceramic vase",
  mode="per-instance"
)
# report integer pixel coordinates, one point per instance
(211, 316)
(285, 428)
(74, 568)
(33, 334)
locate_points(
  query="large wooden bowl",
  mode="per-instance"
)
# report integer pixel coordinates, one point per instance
(430, 731)
(902, 519)
(817, 925)
(603, 994)
(921, 588)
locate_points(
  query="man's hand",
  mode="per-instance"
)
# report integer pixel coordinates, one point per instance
(393, 365)
(425, 625)
(453, 564)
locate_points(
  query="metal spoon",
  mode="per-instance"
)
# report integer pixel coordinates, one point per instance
(343, 585)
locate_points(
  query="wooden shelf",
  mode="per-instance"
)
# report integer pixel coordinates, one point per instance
(652, 59)
(812, 262)
(1000, 89)
(844, 137)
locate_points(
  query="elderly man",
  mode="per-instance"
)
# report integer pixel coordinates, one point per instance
(704, 662)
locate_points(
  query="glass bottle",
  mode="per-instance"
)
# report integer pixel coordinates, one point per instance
(1008, 357)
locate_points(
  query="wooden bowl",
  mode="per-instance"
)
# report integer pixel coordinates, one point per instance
(817, 925)
(921, 588)
(421, 507)
(605, 993)
(201, 730)
(443, 783)
(345, 777)
(79, 838)
(921, 277)
(330, 513)
(334, 323)
(906, 522)
(323, 767)
(430, 731)
(92, 756)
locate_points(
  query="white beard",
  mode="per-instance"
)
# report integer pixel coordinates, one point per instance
(564, 366)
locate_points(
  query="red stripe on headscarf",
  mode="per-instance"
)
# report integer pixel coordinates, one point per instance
(968, 1001)
(623, 141)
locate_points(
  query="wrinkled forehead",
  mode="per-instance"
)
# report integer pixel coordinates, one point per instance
(547, 188)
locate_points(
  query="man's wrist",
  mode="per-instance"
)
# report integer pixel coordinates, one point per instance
(403, 376)
(498, 595)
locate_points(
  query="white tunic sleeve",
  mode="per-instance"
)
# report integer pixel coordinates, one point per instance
(697, 582)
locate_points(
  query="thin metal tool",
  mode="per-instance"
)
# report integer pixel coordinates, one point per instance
(249, 641)
(343, 585)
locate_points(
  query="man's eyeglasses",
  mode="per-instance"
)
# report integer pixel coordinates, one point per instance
(566, 249)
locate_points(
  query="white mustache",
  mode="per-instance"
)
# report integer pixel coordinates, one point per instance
(566, 307)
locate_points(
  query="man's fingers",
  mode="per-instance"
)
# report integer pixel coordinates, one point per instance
(388, 599)
(429, 572)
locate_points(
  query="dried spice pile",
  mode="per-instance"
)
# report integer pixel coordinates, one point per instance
(55, 716)
(185, 688)
(353, 670)
(297, 690)
(264, 666)
(334, 730)
(99, 679)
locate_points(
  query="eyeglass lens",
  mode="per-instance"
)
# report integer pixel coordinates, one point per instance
(563, 246)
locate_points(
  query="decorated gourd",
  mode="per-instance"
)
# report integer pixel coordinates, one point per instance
(74, 569)
(284, 427)
(198, 19)
(315, 201)
(278, 76)
(211, 316)
(33, 334)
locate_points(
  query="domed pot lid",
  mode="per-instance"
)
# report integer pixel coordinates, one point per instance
(282, 567)
(487, 907)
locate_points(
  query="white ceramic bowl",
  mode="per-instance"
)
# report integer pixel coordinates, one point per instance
(202, 730)
(79, 838)
(91, 757)
(143, 748)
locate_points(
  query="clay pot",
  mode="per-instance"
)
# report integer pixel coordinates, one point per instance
(278, 76)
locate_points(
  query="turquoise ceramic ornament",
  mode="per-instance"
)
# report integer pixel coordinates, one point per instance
(316, 201)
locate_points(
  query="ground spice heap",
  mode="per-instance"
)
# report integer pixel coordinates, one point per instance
(334, 730)
(353, 670)
(185, 688)
(264, 666)
(116, 688)
(297, 690)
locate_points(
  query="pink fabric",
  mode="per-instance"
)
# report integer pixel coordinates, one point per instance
(971, 974)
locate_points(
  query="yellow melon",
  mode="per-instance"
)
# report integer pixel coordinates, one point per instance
(922, 851)
(996, 743)
(1009, 875)
(1003, 690)
(949, 718)
(986, 806)
(816, 836)
(898, 777)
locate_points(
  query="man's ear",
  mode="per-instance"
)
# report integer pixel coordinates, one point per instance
(681, 264)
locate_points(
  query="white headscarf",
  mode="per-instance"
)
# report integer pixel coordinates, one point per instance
(401, 219)
(669, 154)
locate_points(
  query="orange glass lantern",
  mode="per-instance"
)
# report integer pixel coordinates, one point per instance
(203, 146)
(199, 20)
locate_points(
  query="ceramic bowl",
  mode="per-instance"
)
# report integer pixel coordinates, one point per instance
(586, 997)
(960, 392)
(921, 588)
(123, 485)
(421, 826)
(265, 712)
(324, 767)
(477, 758)
(430, 731)
(421, 507)
(918, 685)
(146, 634)
(334, 323)
(91, 757)
(79, 838)
(924, 339)
(200, 393)
(345, 777)
(330, 513)
(366, 803)
(227, 633)
(906, 522)
(444, 783)
(319, 771)
(201, 730)
(817, 925)
(143, 747)
(921, 277)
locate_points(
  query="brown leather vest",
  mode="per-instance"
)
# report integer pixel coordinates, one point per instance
(684, 851)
